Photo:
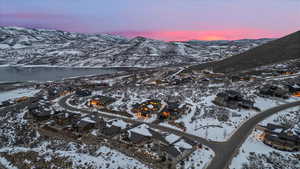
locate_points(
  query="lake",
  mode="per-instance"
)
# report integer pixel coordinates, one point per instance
(42, 74)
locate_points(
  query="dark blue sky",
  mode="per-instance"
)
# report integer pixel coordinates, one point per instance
(160, 19)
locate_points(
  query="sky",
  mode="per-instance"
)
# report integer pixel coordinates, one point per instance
(169, 20)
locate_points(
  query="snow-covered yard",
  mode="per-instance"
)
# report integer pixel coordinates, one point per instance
(256, 154)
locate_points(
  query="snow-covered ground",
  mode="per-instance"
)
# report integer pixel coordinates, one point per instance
(103, 157)
(104, 50)
(13, 94)
(198, 159)
(7, 164)
(256, 154)
(215, 129)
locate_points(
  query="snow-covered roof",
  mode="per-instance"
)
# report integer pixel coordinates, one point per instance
(88, 119)
(278, 130)
(182, 144)
(142, 129)
(118, 123)
(172, 138)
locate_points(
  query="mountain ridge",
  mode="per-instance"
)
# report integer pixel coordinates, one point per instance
(277, 51)
(55, 47)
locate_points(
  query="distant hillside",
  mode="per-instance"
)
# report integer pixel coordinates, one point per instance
(59, 48)
(276, 51)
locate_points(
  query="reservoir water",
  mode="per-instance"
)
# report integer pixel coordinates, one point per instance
(42, 74)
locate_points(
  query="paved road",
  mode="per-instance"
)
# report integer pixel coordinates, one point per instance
(227, 150)
(224, 151)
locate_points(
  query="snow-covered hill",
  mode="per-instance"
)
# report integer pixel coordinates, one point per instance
(59, 48)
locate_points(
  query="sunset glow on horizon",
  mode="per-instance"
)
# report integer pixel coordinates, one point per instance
(202, 35)
(169, 20)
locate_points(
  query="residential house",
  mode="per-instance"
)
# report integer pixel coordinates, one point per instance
(82, 93)
(274, 91)
(232, 99)
(280, 137)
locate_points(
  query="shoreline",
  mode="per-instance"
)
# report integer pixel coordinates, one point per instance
(94, 72)
(75, 67)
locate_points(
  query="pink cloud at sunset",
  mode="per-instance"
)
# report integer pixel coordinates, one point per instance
(204, 35)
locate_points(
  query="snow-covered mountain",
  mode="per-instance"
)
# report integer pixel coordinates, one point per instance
(53, 47)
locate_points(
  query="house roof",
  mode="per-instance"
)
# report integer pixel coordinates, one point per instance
(158, 136)
(117, 122)
(83, 123)
(104, 99)
(137, 138)
(38, 113)
(173, 151)
(112, 130)
(277, 140)
(189, 141)
(172, 138)
(142, 129)
(88, 120)
(272, 127)
(292, 138)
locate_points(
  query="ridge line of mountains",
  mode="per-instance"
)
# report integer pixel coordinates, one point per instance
(23, 46)
(277, 51)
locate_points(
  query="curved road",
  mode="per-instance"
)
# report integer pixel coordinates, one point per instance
(224, 151)
(227, 150)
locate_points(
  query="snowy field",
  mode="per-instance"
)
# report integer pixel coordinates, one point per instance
(259, 153)
(13, 94)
